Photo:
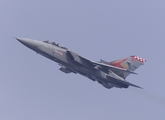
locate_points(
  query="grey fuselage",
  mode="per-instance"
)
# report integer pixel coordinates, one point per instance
(64, 58)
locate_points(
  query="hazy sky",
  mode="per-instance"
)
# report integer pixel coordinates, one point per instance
(32, 87)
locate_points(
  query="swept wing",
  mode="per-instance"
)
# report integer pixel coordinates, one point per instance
(104, 67)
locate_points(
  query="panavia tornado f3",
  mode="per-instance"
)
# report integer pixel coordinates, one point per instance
(109, 74)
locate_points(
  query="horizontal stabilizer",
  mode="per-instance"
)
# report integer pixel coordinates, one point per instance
(130, 84)
(122, 83)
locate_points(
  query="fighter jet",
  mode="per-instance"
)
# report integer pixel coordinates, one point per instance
(109, 74)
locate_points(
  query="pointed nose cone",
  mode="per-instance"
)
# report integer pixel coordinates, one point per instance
(28, 42)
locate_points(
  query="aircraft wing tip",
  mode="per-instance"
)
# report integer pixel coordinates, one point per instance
(137, 86)
(130, 84)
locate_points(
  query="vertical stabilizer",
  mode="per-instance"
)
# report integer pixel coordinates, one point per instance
(131, 63)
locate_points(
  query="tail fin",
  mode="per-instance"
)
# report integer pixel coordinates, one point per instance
(131, 63)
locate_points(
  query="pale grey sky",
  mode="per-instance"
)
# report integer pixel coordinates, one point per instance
(32, 87)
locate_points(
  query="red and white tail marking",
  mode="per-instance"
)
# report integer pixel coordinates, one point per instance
(139, 59)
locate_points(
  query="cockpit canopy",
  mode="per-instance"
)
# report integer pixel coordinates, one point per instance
(55, 44)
